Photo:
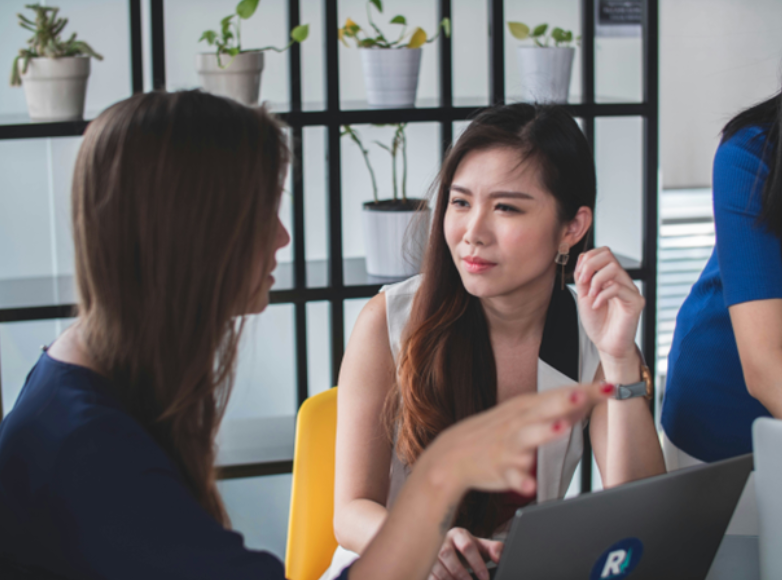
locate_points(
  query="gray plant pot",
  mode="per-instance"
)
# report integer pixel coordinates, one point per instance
(391, 76)
(241, 80)
(545, 73)
(395, 237)
(55, 87)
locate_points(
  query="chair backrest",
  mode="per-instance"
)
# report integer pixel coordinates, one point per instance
(311, 541)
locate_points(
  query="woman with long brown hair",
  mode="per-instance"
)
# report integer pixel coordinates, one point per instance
(490, 318)
(107, 458)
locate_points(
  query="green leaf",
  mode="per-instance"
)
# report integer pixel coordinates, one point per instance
(378, 4)
(247, 8)
(233, 51)
(367, 43)
(210, 36)
(446, 24)
(418, 39)
(225, 22)
(399, 20)
(519, 30)
(540, 30)
(300, 33)
(558, 34)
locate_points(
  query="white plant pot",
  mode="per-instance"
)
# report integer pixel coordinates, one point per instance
(391, 76)
(394, 240)
(55, 87)
(545, 73)
(241, 80)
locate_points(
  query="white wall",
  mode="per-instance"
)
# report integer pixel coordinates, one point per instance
(716, 58)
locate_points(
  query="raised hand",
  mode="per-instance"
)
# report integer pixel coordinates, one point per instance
(610, 305)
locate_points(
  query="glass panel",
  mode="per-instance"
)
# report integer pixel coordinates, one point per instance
(186, 20)
(258, 508)
(109, 79)
(470, 52)
(352, 310)
(315, 205)
(351, 82)
(318, 347)
(565, 14)
(35, 207)
(313, 56)
(423, 153)
(20, 349)
(619, 213)
(618, 51)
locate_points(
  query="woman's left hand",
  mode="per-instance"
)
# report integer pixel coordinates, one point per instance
(610, 305)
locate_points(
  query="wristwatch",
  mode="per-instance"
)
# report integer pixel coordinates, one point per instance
(642, 388)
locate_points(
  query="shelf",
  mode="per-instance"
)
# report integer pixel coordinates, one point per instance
(50, 297)
(20, 126)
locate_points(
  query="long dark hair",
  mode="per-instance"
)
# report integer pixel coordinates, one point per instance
(446, 368)
(766, 115)
(175, 201)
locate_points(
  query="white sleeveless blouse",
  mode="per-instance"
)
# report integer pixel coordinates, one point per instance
(557, 461)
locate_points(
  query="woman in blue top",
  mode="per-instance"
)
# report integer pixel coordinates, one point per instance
(107, 459)
(725, 364)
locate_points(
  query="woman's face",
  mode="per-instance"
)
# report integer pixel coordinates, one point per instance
(281, 239)
(501, 225)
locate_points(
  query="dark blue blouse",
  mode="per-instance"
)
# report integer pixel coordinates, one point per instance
(86, 493)
(707, 411)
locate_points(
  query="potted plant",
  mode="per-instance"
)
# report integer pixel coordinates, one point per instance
(52, 71)
(545, 66)
(395, 229)
(231, 71)
(390, 66)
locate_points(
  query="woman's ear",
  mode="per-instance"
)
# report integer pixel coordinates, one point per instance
(577, 228)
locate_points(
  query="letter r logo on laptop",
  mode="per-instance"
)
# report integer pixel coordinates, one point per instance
(618, 560)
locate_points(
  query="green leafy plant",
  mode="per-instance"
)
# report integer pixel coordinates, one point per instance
(229, 40)
(397, 147)
(46, 41)
(376, 38)
(538, 34)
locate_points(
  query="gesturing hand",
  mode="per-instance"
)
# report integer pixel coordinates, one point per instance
(461, 547)
(610, 305)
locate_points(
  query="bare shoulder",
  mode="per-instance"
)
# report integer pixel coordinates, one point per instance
(368, 354)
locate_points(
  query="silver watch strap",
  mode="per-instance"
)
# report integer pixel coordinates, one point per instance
(630, 391)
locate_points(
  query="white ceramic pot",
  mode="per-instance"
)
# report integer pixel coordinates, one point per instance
(394, 240)
(55, 87)
(241, 80)
(391, 76)
(545, 73)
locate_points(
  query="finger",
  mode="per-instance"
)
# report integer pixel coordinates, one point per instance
(621, 292)
(593, 261)
(467, 546)
(452, 564)
(491, 549)
(562, 402)
(439, 572)
(613, 272)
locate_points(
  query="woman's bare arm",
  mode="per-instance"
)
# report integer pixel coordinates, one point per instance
(757, 326)
(363, 455)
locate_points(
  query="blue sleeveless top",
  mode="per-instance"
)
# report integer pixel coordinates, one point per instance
(707, 411)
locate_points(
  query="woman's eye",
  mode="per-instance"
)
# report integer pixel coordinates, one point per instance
(507, 208)
(459, 202)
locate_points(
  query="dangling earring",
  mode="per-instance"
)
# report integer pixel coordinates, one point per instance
(561, 259)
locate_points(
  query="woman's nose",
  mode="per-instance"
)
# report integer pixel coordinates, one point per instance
(283, 237)
(476, 232)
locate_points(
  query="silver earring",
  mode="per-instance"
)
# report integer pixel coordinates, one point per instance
(562, 259)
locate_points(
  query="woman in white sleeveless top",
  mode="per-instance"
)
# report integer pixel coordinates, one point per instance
(488, 319)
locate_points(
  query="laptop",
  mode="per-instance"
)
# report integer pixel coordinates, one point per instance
(767, 443)
(669, 526)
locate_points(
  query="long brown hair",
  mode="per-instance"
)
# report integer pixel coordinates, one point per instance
(175, 201)
(446, 368)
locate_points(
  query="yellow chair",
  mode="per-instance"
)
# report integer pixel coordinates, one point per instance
(311, 541)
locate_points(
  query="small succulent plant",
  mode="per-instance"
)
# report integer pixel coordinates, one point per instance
(229, 40)
(558, 36)
(398, 146)
(376, 38)
(46, 41)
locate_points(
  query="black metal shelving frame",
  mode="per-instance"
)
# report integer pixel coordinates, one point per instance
(333, 117)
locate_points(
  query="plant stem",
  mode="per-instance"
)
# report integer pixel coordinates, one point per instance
(354, 136)
(404, 162)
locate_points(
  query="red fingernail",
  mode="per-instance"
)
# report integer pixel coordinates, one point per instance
(607, 389)
(557, 426)
(576, 397)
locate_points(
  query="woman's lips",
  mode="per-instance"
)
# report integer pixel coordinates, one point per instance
(475, 265)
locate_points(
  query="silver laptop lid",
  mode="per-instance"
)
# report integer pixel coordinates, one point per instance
(767, 445)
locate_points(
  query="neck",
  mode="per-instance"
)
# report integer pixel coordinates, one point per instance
(520, 315)
(69, 348)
